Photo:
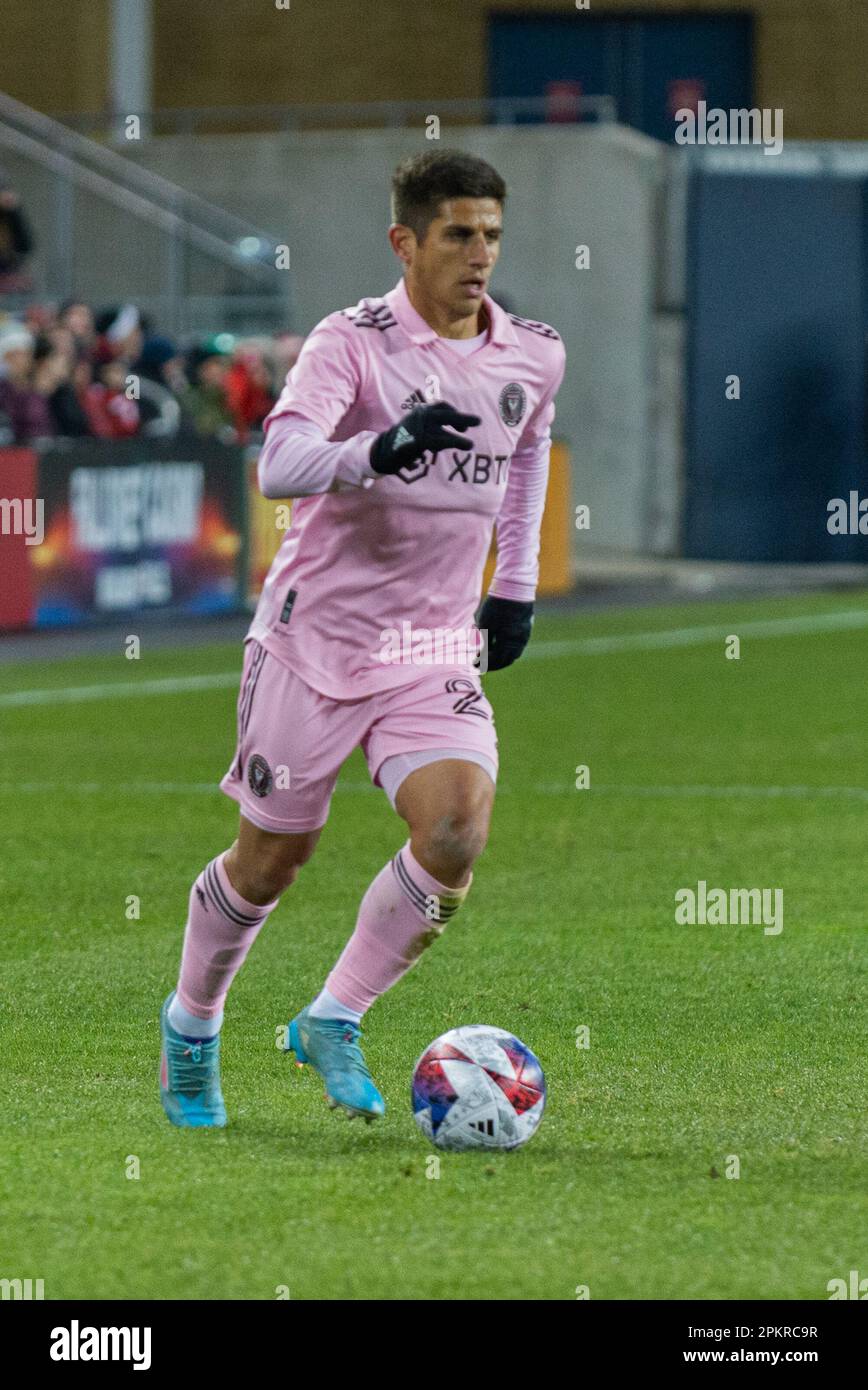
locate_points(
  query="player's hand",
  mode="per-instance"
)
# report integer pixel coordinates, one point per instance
(425, 430)
(508, 623)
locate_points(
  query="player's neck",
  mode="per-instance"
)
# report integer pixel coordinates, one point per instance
(439, 318)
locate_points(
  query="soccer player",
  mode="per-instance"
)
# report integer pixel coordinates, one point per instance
(410, 426)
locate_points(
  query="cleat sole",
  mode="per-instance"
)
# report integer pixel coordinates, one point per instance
(350, 1111)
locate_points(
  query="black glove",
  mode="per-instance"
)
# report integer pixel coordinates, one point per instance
(422, 431)
(508, 623)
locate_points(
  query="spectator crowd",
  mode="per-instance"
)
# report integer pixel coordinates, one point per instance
(65, 370)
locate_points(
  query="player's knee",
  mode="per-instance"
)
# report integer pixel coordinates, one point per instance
(456, 839)
(259, 883)
(267, 881)
(261, 869)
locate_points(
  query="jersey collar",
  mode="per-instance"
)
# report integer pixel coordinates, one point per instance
(418, 331)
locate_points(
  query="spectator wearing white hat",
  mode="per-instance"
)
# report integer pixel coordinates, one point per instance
(119, 333)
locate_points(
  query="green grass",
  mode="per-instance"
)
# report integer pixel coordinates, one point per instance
(705, 1041)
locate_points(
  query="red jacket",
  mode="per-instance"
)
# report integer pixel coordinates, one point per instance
(111, 414)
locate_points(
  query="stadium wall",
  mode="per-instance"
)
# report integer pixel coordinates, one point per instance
(326, 195)
(56, 57)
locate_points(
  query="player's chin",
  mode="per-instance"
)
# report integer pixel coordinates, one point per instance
(466, 303)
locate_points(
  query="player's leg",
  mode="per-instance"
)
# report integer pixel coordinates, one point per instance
(447, 807)
(445, 794)
(282, 816)
(261, 865)
(229, 904)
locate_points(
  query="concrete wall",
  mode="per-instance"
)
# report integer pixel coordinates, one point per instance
(810, 54)
(88, 246)
(326, 196)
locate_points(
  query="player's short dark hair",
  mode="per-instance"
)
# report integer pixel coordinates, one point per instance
(423, 181)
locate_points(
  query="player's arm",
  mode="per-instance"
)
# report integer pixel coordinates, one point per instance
(298, 458)
(507, 612)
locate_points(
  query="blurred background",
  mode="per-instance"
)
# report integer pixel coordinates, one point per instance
(185, 190)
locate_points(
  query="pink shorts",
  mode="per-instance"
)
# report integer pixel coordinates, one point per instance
(293, 741)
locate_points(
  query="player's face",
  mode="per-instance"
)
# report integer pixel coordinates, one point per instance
(453, 264)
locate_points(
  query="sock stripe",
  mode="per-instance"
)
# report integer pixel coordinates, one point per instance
(240, 919)
(448, 910)
(413, 891)
(446, 907)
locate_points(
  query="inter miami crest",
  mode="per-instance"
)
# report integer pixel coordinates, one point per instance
(513, 403)
(259, 775)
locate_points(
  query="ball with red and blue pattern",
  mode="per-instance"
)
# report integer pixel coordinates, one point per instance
(478, 1087)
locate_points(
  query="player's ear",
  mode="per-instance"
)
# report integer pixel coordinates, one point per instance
(403, 241)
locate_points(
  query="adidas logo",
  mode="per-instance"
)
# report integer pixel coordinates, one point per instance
(401, 438)
(483, 1127)
(414, 398)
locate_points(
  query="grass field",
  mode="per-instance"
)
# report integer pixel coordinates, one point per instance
(705, 1041)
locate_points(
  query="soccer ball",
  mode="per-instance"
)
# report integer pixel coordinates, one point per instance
(478, 1088)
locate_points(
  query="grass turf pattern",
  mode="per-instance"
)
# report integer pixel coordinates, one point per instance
(705, 1041)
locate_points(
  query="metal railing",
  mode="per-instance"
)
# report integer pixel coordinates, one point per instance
(181, 120)
(187, 220)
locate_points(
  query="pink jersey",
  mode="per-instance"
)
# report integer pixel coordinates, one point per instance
(366, 555)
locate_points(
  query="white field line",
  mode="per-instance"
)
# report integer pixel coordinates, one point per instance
(845, 620)
(540, 788)
(79, 694)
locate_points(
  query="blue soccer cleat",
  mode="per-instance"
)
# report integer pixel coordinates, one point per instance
(190, 1077)
(332, 1047)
